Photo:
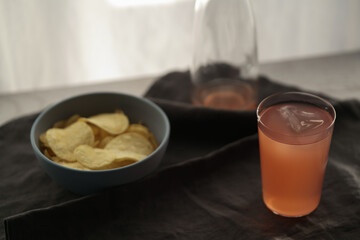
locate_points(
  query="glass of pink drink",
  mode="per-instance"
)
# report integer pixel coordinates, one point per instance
(295, 132)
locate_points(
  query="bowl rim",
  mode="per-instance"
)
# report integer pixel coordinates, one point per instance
(141, 99)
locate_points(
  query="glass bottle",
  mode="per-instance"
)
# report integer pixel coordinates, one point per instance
(224, 67)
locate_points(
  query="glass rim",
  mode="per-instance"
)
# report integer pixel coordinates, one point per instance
(298, 93)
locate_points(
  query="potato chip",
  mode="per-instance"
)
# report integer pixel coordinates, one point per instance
(96, 130)
(59, 124)
(100, 135)
(94, 158)
(75, 165)
(72, 120)
(124, 158)
(153, 141)
(43, 140)
(63, 141)
(68, 122)
(48, 153)
(113, 123)
(132, 142)
(141, 129)
(103, 134)
(121, 163)
(103, 141)
(97, 159)
(123, 155)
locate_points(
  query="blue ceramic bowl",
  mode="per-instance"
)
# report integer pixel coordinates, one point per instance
(86, 182)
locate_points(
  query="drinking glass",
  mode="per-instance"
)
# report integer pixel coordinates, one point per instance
(224, 66)
(295, 131)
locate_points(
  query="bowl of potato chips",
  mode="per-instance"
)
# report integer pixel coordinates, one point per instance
(92, 142)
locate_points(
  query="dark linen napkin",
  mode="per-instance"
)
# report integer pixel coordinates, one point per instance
(207, 187)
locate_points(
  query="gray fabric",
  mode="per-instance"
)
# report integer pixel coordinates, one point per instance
(208, 186)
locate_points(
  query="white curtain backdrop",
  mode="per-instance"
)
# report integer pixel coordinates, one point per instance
(55, 43)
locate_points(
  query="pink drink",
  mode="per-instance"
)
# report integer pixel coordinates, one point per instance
(294, 141)
(236, 96)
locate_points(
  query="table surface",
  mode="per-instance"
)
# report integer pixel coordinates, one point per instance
(336, 75)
